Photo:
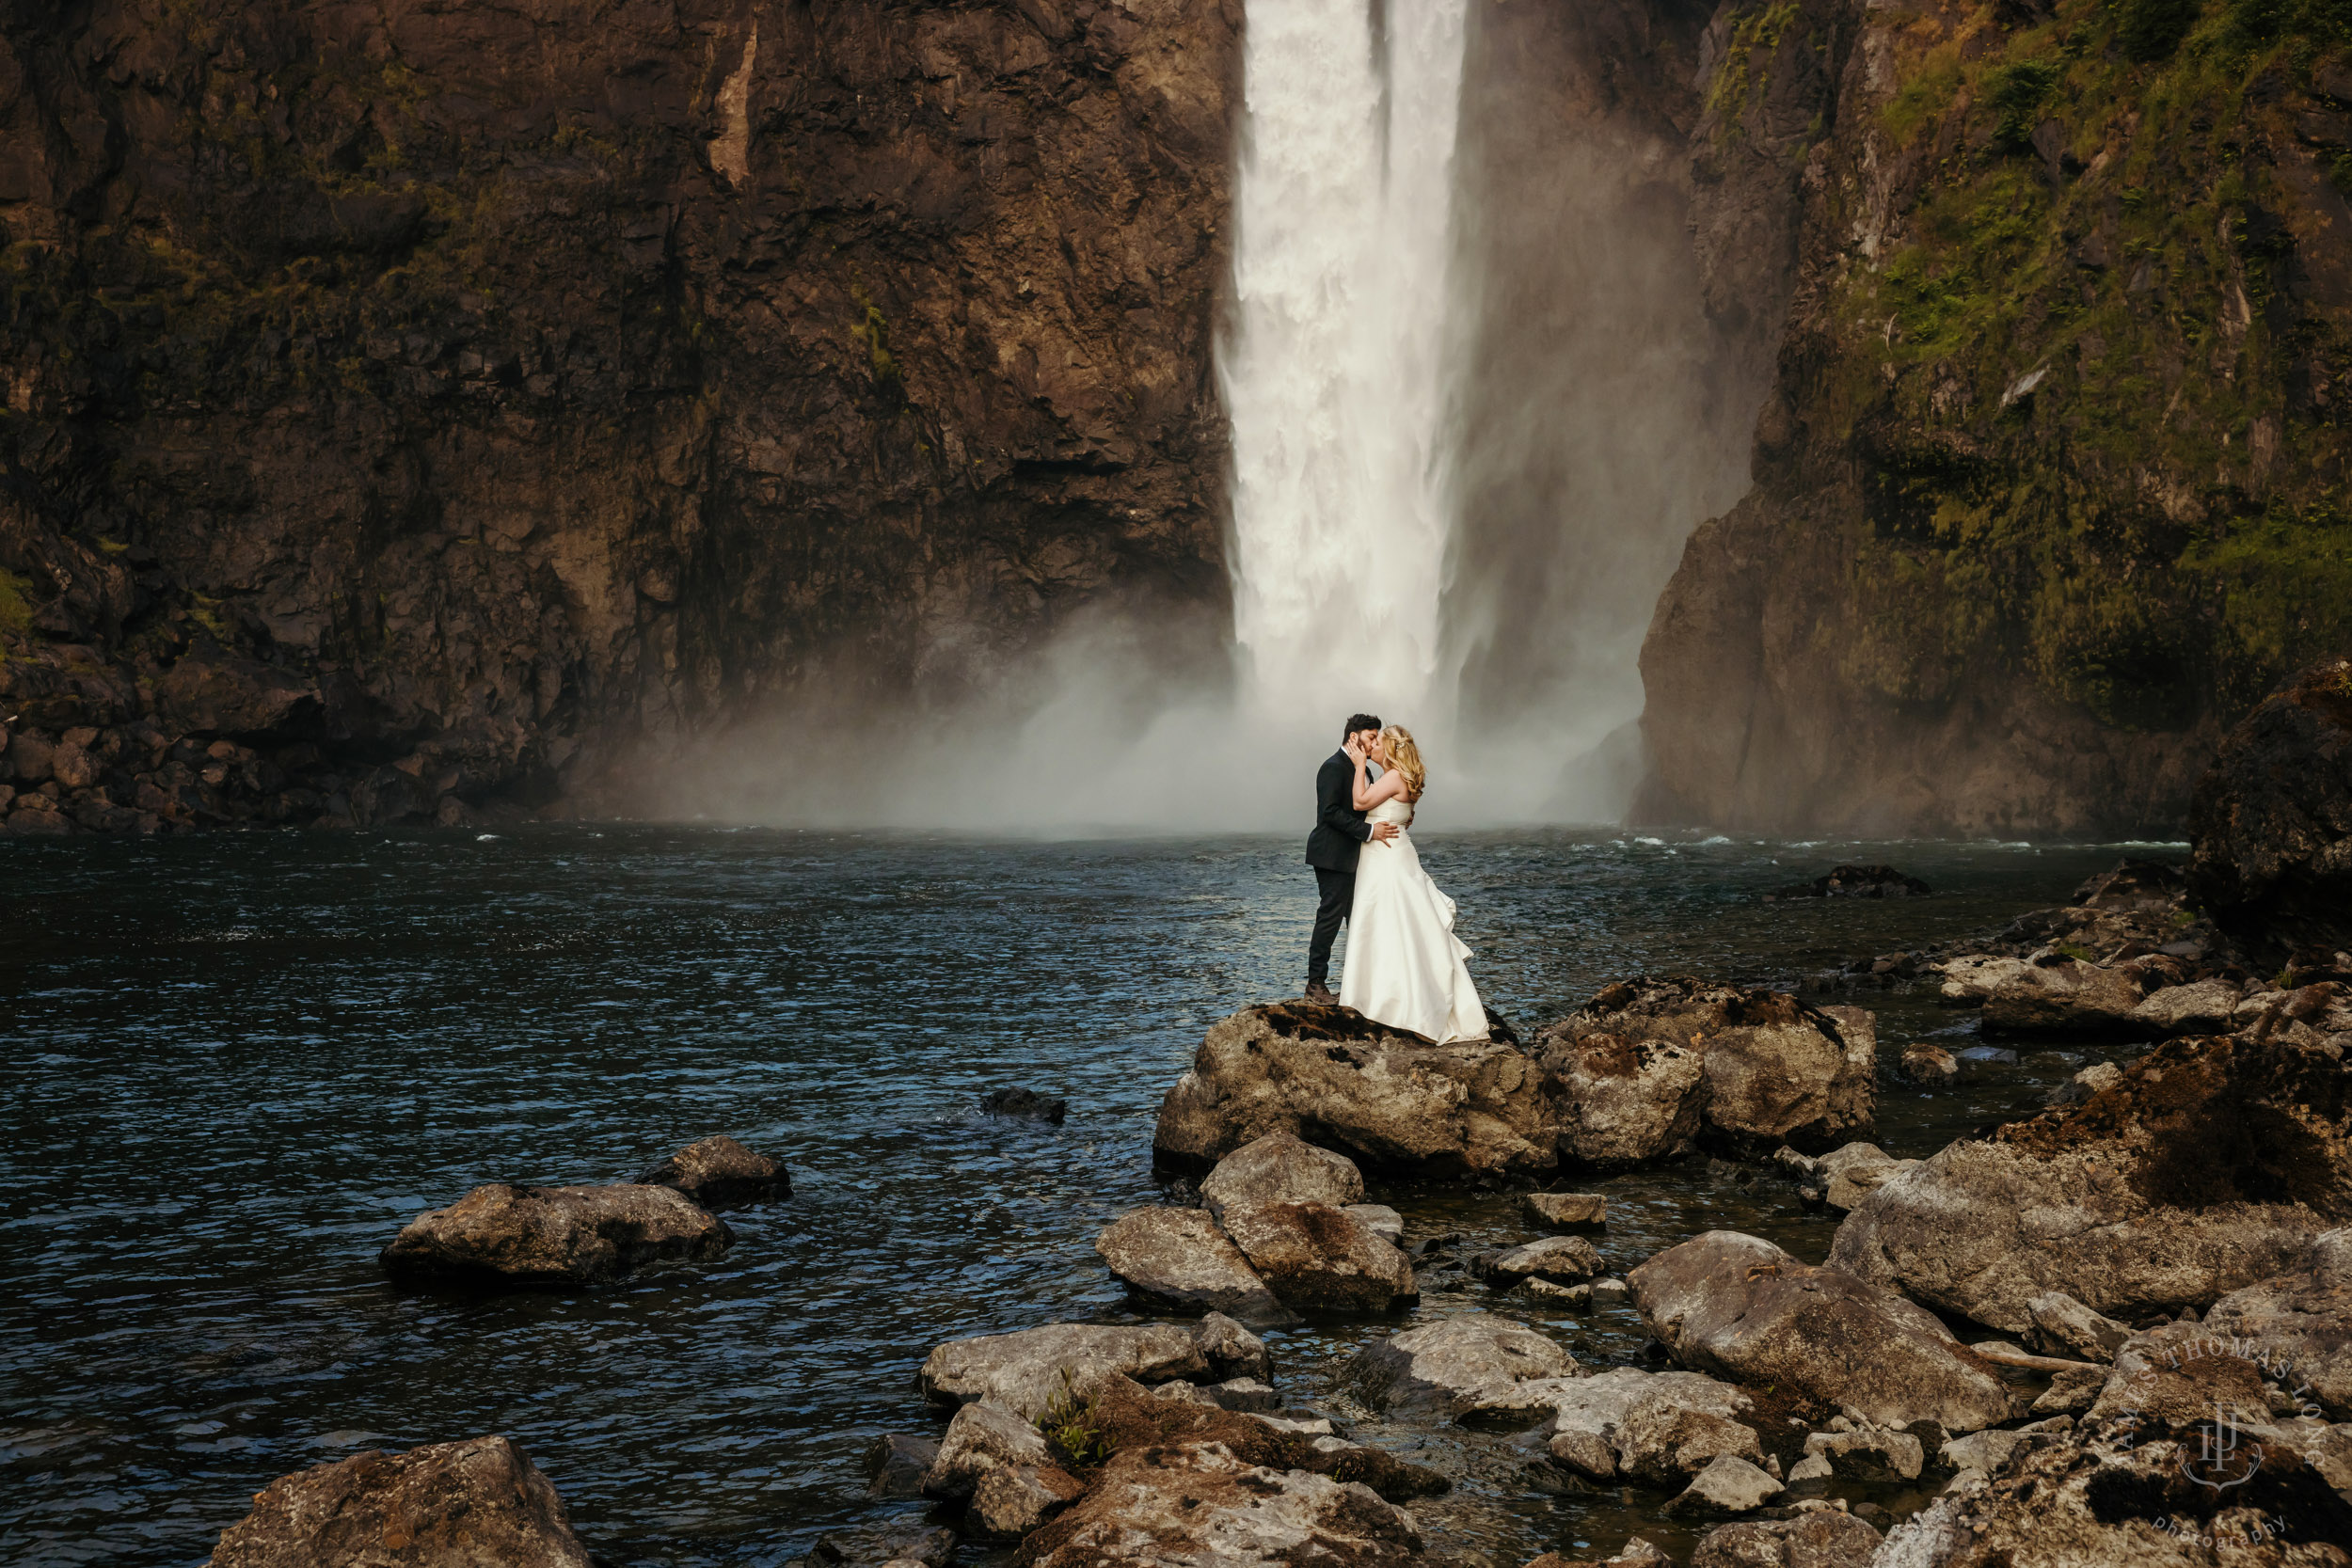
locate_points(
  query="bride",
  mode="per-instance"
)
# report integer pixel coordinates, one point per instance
(1406, 968)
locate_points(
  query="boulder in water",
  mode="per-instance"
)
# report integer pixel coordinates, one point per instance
(554, 1236)
(1023, 1370)
(1025, 1105)
(1458, 1367)
(1855, 881)
(1312, 1255)
(2059, 995)
(1392, 1102)
(1823, 1538)
(1607, 1426)
(719, 1173)
(2200, 1007)
(2272, 822)
(1727, 1485)
(1565, 1259)
(446, 1505)
(1281, 1168)
(1851, 1173)
(1649, 1066)
(1180, 1256)
(1970, 978)
(1738, 1307)
(1568, 1212)
(1004, 1468)
(2207, 1165)
(896, 1463)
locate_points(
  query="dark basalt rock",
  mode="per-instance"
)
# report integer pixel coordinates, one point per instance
(1025, 1105)
(1856, 881)
(2272, 823)
(446, 1505)
(719, 1173)
(895, 1465)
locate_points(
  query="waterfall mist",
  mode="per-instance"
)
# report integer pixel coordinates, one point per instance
(1476, 407)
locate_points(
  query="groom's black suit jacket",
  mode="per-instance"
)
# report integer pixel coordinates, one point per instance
(1341, 830)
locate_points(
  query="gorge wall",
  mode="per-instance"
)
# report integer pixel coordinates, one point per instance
(2051, 484)
(415, 409)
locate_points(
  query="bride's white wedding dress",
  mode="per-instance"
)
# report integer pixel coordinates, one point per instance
(1406, 968)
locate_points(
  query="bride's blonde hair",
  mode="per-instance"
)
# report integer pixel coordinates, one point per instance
(1406, 758)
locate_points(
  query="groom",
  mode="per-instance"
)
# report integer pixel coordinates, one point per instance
(1341, 832)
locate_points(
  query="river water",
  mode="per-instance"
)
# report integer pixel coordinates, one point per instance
(240, 1062)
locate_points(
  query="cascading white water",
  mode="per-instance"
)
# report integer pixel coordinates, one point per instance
(1334, 374)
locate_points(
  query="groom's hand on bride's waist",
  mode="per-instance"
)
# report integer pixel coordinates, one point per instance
(1383, 831)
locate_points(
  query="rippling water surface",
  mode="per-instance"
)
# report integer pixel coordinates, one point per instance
(240, 1062)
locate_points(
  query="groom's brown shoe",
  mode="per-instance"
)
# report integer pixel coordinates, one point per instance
(1318, 991)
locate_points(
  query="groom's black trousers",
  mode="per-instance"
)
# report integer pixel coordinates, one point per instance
(1338, 892)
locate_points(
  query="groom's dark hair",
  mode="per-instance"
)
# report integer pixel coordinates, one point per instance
(1360, 722)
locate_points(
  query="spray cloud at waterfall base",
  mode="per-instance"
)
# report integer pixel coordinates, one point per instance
(1477, 403)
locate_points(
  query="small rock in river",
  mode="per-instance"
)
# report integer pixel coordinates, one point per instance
(1569, 1260)
(502, 1234)
(1568, 1212)
(1314, 1256)
(719, 1173)
(1727, 1485)
(1378, 1218)
(1025, 1105)
(1281, 1168)
(1458, 1366)
(1929, 1066)
(1180, 1256)
(446, 1505)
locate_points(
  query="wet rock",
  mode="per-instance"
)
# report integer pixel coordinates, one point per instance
(1568, 1212)
(1970, 979)
(1180, 1256)
(2271, 821)
(891, 1546)
(1655, 1427)
(1378, 1218)
(446, 1505)
(1985, 1451)
(895, 1464)
(1649, 1066)
(1567, 1259)
(1021, 1104)
(1009, 1503)
(2068, 997)
(984, 1437)
(1856, 881)
(2064, 1326)
(1281, 1168)
(2134, 886)
(719, 1173)
(1869, 1453)
(1571, 1296)
(1930, 1066)
(1824, 1538)
(1390, 1101)
(1741, 1309)
(1245, 1393)
(1023, 1370)
(1456, 1367)
(2201, 1007)
(1610, 1291)
(1727, 1485)
(2069, 1392)
(1316, 1257)
(2161, 1192)
(554, 1236)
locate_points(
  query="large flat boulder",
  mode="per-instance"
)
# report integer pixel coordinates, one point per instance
(1459, 1367)
(2271, 821)
(1183, 1258)
(2208, 1165)
(2069, 998)
(719, 1173)
(1025, 1370)
(554, 1236)
(1741, 1309)
(1281, 1168)
(1391, 1102)
(1650, 1066)
(446, 1505)
(1316, 1257)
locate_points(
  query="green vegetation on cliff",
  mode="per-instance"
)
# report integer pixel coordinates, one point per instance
(2094, 354)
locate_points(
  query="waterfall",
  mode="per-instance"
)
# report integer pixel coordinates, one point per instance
(1334, 371)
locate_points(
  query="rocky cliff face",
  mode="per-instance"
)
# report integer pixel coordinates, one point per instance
(408, 408)
(2051, 485)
